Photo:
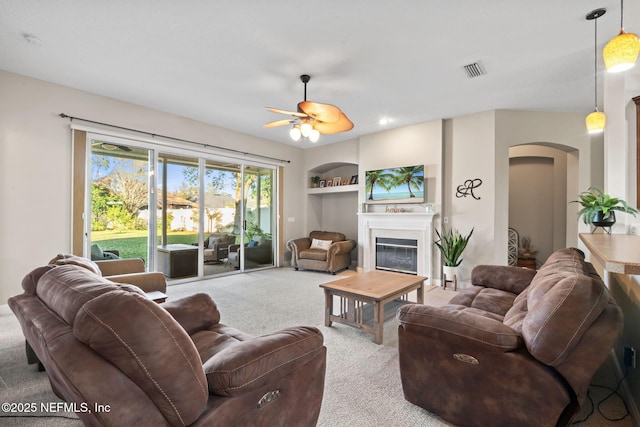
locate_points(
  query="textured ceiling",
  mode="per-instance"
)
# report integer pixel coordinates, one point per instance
(222, 62)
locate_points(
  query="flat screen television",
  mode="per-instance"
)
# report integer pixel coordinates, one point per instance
(395, 185)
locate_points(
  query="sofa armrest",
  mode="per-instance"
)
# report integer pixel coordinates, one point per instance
(113, 267)
(148, 282)
(342, 247)
(253, 363)
(297, 245)
(506, 278)
(194, 313)
(460, 324)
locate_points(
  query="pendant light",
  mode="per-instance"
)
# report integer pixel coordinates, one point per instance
(621, 52)
(596, 121)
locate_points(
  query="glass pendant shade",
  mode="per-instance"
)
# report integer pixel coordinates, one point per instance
(596, 122)
(621, 52)
(295, 133)
(314, 136)
(306, 129)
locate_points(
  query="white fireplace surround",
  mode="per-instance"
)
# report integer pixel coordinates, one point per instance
(406, 225)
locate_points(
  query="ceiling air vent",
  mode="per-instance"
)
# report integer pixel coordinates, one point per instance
(474, 70)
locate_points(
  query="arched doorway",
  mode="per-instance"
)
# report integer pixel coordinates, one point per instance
(542, 180)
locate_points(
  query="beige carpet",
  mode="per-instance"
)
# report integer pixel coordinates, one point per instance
(362, 385)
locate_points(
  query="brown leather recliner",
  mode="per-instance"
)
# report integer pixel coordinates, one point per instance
(336, 256)
(519, 347)
(107, 346)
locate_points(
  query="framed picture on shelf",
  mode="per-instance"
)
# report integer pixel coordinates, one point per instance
(337, 181)
(329, 183)
(354, 179)
(323, 183)
(345, 182)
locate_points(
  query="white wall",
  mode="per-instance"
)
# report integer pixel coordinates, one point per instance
(35, 166)
(477, 146)
(471, 154)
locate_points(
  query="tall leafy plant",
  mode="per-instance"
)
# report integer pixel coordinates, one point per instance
(451, 243)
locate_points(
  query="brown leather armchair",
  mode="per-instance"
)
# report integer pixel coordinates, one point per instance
(519, 347)
(334, 257)
(107, 345)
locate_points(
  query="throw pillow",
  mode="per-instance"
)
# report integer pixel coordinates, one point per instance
(213, 240)
(252, 243)
(320, 244)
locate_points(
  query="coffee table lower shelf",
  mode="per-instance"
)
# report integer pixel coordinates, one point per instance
(366, 301)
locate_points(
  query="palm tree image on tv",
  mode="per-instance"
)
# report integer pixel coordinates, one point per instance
(395, 185)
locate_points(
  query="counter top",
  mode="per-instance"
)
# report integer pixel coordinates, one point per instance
(618, 253)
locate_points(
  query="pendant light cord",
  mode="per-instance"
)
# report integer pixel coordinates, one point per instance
(595, 64)
(621, 15)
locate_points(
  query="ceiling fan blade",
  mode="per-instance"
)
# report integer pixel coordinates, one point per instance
(279, 123)
(291, 113)
(324, 112)
(343, 124)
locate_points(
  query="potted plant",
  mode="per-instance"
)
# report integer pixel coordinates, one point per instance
(451, 244)
(599, 208)
(315, 180)
(527, 251)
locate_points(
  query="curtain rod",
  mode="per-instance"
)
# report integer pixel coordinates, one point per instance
(153, 135)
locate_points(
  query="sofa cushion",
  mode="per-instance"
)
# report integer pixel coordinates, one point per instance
(66, 288)
(491, 300)
(148, 346)
(253, 363)
(562, 303)
(314, 254)
(62, 259)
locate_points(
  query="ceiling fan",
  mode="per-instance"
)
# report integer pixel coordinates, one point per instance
(312, 118)
(109, 146)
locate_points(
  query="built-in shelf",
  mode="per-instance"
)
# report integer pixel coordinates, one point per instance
(336, 189)
(618, 253)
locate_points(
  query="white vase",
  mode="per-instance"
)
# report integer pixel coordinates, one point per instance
(449, 272)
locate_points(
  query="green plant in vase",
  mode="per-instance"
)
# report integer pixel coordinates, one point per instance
(451, 244)
(598, 208)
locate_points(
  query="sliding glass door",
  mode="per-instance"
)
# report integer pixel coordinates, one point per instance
(118, 225)
(258, 217)
(185, 214)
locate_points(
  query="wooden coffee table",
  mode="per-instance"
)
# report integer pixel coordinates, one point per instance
(358, 293)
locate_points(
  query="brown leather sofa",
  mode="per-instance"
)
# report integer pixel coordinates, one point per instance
(104, 343)
(518, 348)
(336, 257)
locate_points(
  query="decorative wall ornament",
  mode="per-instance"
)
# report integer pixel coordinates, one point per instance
(467, 188)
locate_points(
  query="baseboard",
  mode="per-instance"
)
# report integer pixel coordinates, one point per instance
(624, 388)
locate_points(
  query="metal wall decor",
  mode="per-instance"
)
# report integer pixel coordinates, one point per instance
(467, 188)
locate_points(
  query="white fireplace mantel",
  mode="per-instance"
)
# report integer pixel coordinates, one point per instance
(405, 225)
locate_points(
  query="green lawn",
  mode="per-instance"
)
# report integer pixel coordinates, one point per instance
(133, 244)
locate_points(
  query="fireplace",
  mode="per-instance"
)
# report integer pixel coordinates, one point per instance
(414, 226)
(399, 255)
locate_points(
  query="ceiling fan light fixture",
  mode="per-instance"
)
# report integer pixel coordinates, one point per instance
(314, 136)
(295, 133)
(305, 129)
(596, 122)
(109, 147)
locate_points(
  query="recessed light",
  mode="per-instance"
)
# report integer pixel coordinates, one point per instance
(31, 39)
(384, 121)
